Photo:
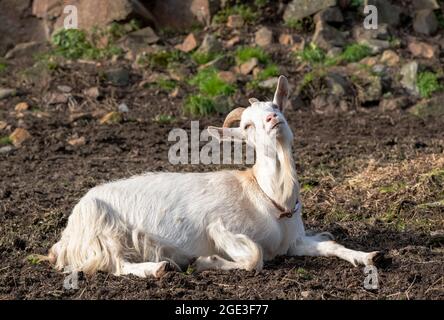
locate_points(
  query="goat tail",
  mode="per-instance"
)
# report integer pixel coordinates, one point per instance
(97, 239)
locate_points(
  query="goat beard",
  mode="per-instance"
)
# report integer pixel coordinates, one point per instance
(287, 179)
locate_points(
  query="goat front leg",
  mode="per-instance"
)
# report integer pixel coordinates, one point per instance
(322, 244)
(244, 252)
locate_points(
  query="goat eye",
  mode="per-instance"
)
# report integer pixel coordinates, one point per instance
(247, 126)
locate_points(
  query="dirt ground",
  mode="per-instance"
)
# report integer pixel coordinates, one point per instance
(366, 177)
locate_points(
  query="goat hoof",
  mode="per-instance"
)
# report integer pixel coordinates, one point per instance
(164, 268)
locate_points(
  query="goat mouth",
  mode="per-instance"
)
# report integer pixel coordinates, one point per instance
(276, 125)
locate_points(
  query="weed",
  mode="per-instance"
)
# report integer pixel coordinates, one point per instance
(428, 84)
(5, 140)
(355, 52)
(3, 66)
(164, 119)
(204, 57)
(166, 84)
(312, 54)
(161, 59)
(246, 12)
(244, 54)
(303, 274)
(210, 84)
(199, 105)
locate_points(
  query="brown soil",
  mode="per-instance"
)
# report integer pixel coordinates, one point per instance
(42, 180)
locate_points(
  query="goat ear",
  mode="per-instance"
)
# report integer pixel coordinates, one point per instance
(253, 100)
(281, 95)
(226, 134)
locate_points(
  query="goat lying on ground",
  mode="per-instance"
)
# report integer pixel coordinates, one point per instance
(150, 223)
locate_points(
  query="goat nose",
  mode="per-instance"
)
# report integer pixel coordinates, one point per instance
(270, 116)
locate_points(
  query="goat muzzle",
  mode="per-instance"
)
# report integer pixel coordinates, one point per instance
(233, 116)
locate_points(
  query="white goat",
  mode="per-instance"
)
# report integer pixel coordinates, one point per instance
(148, 224)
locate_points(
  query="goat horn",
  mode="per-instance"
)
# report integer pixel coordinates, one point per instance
(233, 116)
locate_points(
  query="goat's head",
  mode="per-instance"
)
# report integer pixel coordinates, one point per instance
(261, 122)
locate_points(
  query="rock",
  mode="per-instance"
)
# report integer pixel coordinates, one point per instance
(369, 61)
(330, 15)
(425, 22)
(246, 67)
(394, 104)
(64, 89)
(433, 107)
(299, 44)
(328, 104)
(6, 93)
(111, 118)
(183, 14)
(422, 50)
(263, 37)
(327, 37)
(210, 44)
(3, 125)
(235, 21)
(381, 33)
(425, 4)
(370, 90)
(376, 45)
(92, 92)
(90, 13)
(305, 294)
(221, 63)
(409, 73)
(337, 84)
(25, 50)
(6, 149)
(227, 76)
(19, 136)
(118, 76)
(390, 58)
(22, 106)
(123, 108)
(57, 98)
(232, 42)
(76, 142)
(286, 39)
(269, 83)
(387, 12)
(299, 9)
(179, 72)
(137, 42)
(189, 44)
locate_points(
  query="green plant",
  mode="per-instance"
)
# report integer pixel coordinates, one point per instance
(312, 54)
(272, 70)
(199, 105)
(243, 54)
(246, 12)
(3, 66)
(5, 140)
(261, 3)
(303, 274)
(204, 57)
(428, 84)
(210, 84)
(356, 3)
(166, 84)
(161, 59)
(355, 52)
(294, 24)
(164, 119)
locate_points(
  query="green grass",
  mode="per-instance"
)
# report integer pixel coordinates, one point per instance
(303, 274)
(161, 59)
(246, 12)
(5, 141)
(355, 52)
(356, 3)
(204, 57)
(294, 24)
(166, 84)
(261, 3)
(243, 54)
(210, 87)
(164, 119)
(74, 44)
(392, 188)
(312, 54)
(3, 66)
(428, 84)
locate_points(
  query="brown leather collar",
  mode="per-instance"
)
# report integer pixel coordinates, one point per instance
(283, 211)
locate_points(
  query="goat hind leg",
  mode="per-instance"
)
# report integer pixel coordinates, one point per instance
(245, 253)
(146, 269)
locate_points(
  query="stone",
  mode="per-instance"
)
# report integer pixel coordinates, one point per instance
(227, 76)
(57, 98)
(3, 125)
(381, 33)
(370, 90)
(425, 4)
(390, 58)
(92, 92)
(429, 108)
(299, 44)
(221, 63)
(422, 50)
(394, 104)
(22, 106)
(286, 39)
(299, 9)
(387, 12)
(235, 21)
(210, 44)
(118, 76)
(330, 15)
(263, 37)
(6, 93)
(327, 37)
(123, 108)
(183, 14)
(111, 118)
(25, 50)
(269, 83)
(19, 136)
(232, 42)
(76, 142)
(179, 72)
(138, 42)
(188, 44)
(425, 22)
(246, 67)
(6, 149)
(376, 46)
(409, 74)
(305, 294)
(337, 84)
(64, 89)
